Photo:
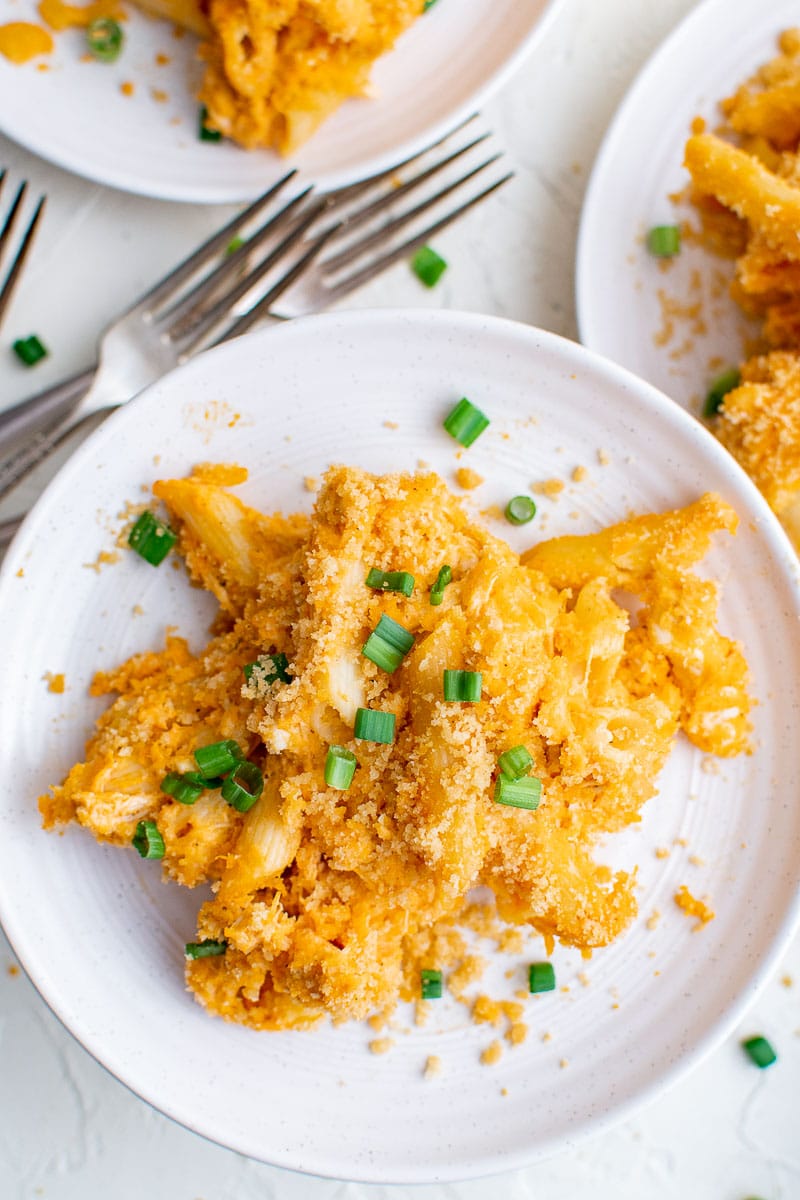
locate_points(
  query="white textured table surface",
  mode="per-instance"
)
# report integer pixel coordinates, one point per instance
(70, 1132)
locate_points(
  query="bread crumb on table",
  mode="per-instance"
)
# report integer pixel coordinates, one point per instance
(694, 907)
(381, 1045)
(468, 479)
(55, 683)
(492, 1054)
(433, 1067)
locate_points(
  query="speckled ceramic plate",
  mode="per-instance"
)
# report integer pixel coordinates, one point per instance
(75, 115)
(676, 326)
(102, 936)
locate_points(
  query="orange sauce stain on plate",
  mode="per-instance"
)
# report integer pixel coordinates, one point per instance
(59, 15)
(20, 41)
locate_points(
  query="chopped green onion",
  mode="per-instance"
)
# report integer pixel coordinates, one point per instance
(104, 38)
(340, 767)
(664, 241)
(219, 758)
(428, 4)
(390, 581)
(430, 984)
(463, 686)
(759, 1051)
(444, 577)
(518, 793)
(243, 786)
(374, 725)
(520, 510)
(270, 668)
(466, 422)
(29, 350)
(147, 840)
(388, 644)
(209, 948)
(541, 977)
(151, 538)
(204, 131)
(428, 266)
(186, 788)
(233, 245)
(516, 762)
(719, 389)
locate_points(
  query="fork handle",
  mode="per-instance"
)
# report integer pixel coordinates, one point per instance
(20, 422)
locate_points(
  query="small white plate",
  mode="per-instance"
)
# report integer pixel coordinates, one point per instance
(620, 312)
(102, 936)
(74, 114)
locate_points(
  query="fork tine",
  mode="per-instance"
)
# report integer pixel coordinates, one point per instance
(380, 236)
(262, 307)
(180, 314)
(19, 261)
(343, 288)
(184, 270)
(388, 198)
(223, 306)
(5, 232)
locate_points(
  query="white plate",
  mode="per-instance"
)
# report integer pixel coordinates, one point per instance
(74, 114)
(102, 937)
(717, 47)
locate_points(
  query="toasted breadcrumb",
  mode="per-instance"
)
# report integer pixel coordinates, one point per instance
(492, 1054)
(433, 1067)
(694, 907)
(579, 474)
(381, 1045)
(468, 479)
(55, 683)
(549, 487)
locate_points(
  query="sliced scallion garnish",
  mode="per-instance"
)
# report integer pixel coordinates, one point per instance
(724, 383)
(204, 131)
(147, 840)
(29, 350)
(208, 948)
(388, 644)
(427, 265)
(516, 762)
(462, 686)
(218, 759)
(759, 1051)
(518, 793)
(390, 581)
(541, 977)
(664, 241)
(374, 725)
(151, 538)
(340, 767)
(186, 788)
(271, 668)
(444, 577)
(520, 510)
(430, 984)
(243, 786)
(104, 38)
(466, 422)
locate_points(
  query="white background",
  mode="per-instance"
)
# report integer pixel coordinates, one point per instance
(70, 1132)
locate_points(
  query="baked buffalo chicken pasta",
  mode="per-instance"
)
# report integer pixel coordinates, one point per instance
(395, 707)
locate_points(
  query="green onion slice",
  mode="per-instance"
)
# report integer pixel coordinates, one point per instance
(104, 38)
(219, 758)
(147, 840)
(541, 977)
(518, 793)
(269, 668)
(427, 265)
(186, 788)
(204, 131)
(388, 644)
(759, 1051)
(151, 538)
(430, 984)
(390, 581)
(243, 786)
(444, 577)
(463, 686)
(374, 725)
(724, 383)
(209, 948)
(233, 245)
(428, 4)
(340, 767)
(466, 422)
(29, 350)
(520, 510)
(664, 241)
(516, 762)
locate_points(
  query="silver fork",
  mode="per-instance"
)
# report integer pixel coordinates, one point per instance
(174, 321)
(7, 228)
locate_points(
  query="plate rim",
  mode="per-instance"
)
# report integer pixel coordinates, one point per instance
(640, 392)
(220, 193)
